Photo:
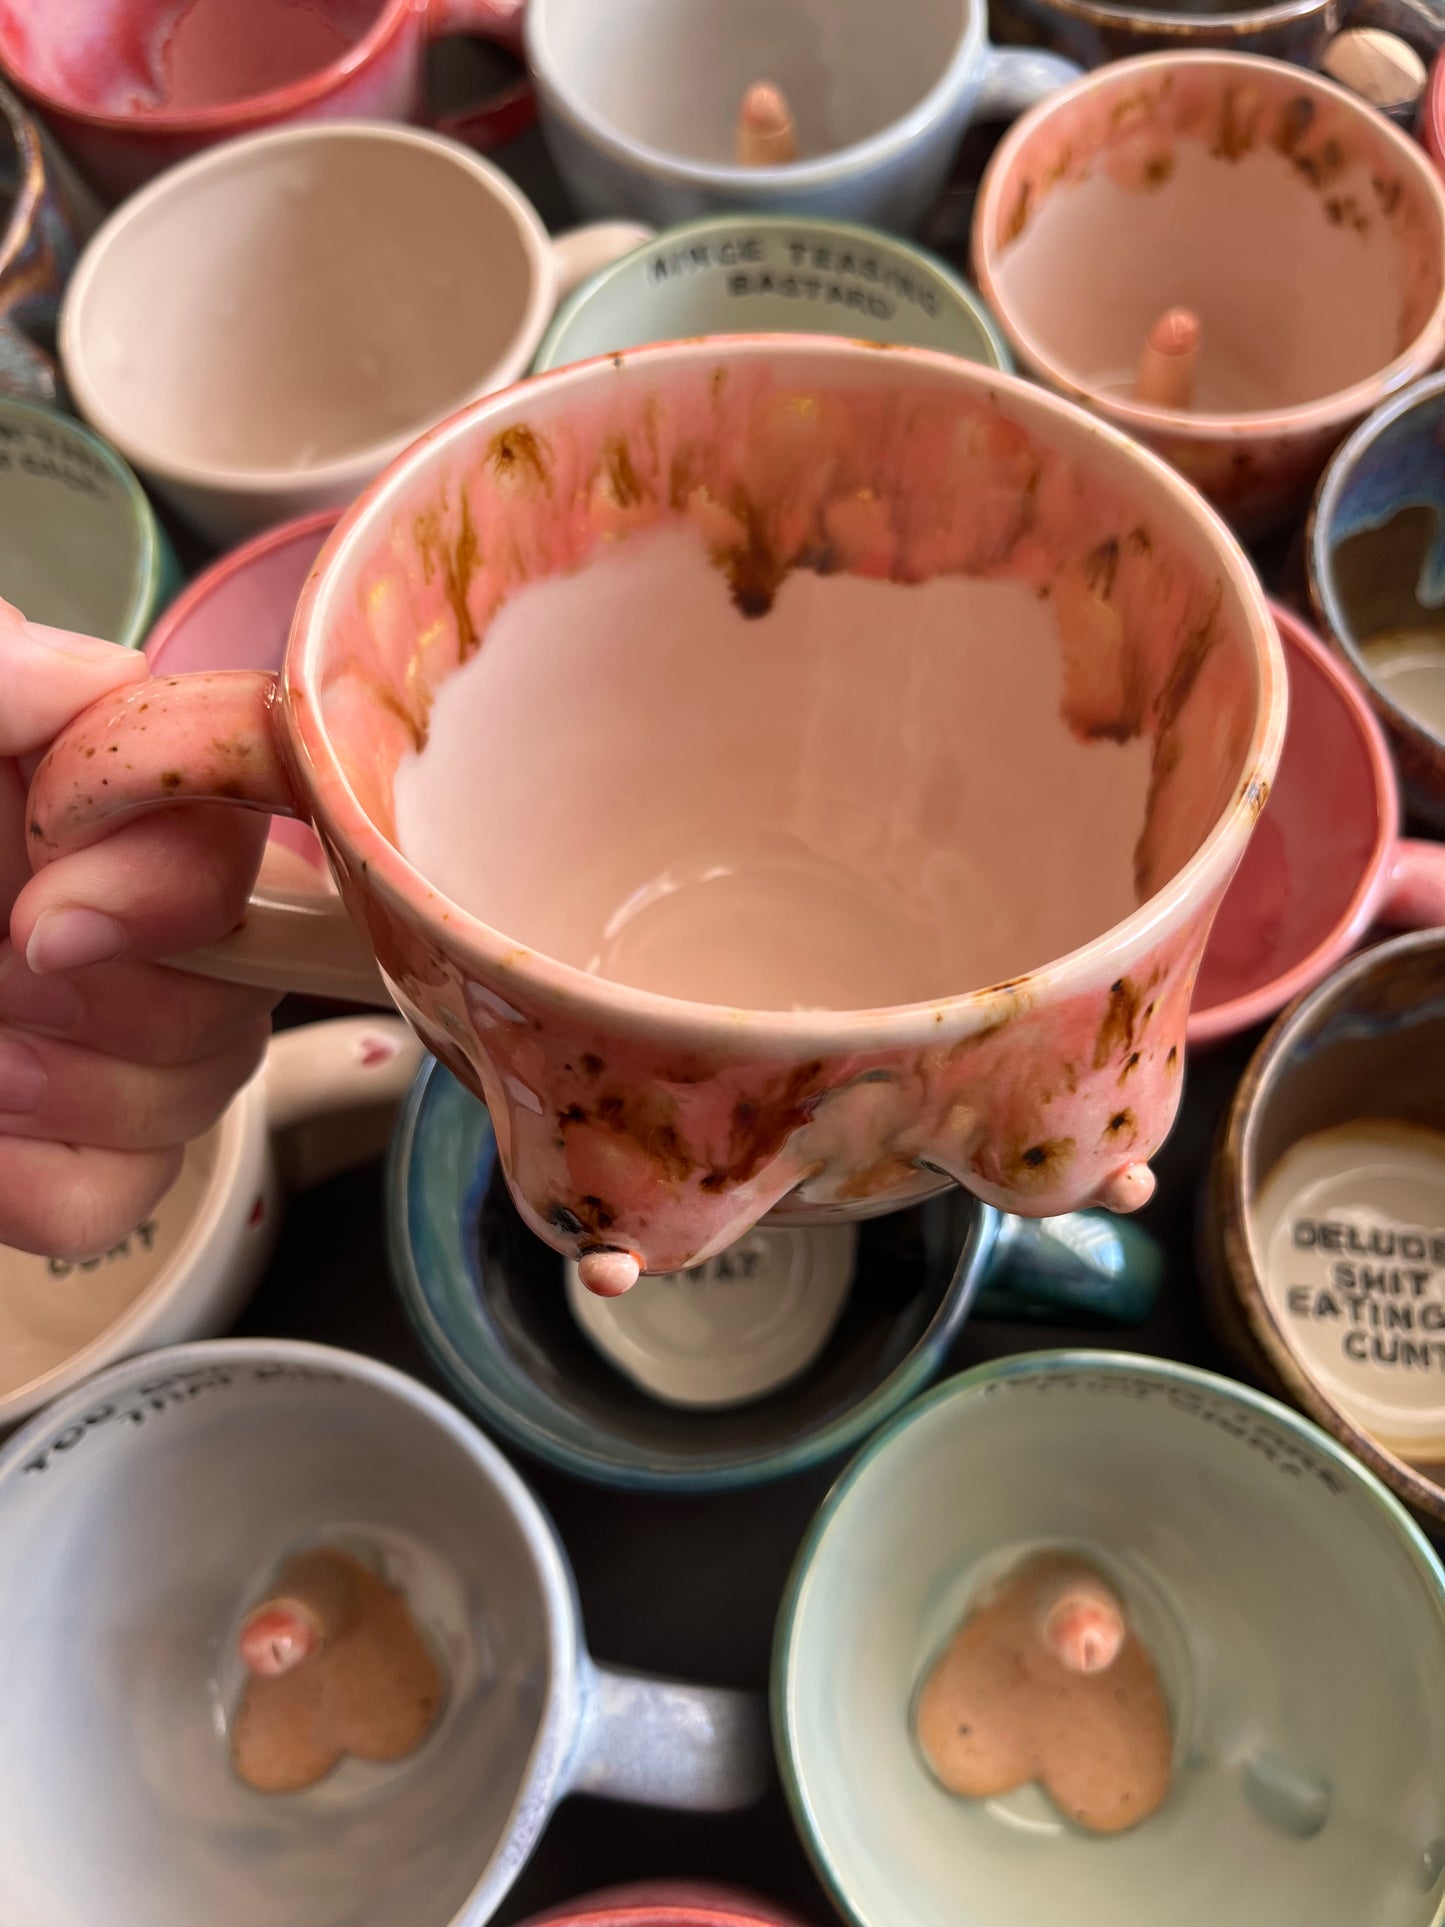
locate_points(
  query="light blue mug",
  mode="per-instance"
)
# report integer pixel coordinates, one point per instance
(773, 274)
(639, 101)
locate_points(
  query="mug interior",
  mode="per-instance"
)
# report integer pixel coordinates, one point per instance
(156, 1505)
(865, 638)
(1377, 557)
(1251, 1554)
(1306, 880)
(774, 276)
(79, 548)
(1303, 231)
(489, 1300)
(671, 77)
(237, 615)
(296, 299)
(137, 58)
(59, 1317)
(1347, 1245)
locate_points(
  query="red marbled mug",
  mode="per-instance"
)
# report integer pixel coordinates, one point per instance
(133, 86)
(772, 772)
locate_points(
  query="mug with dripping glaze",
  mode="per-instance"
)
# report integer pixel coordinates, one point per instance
(1303, 232)
(133, 86)
(44, 218)
(767, 772)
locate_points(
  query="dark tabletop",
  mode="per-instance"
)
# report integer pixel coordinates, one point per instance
(689, 1586)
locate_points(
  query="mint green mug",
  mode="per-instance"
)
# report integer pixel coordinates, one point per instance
(730, 274)
(1295, 1615)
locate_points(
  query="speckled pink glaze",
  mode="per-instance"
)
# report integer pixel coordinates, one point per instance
(1366, 186)
(638, 1123)
(95, 69)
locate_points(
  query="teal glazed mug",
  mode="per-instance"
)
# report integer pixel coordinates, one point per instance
(1294, 1614)
(773, 274)
(487, 1299)
(80, 545)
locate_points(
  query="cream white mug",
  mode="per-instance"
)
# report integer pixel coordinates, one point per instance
(263, 328)
(322, 1101)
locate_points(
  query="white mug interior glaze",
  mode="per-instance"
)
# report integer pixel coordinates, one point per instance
(672, 76)
(323, 1100)
(274, 320)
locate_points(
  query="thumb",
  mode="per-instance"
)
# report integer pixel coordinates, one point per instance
(50, 675)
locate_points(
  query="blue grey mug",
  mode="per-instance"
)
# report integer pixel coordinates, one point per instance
(145, 1511)
(639, 101)
(487, 1300)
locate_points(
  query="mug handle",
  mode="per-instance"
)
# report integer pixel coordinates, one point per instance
(1414, 896)
(1016, 78)
(1087, 1267)
(513, 109)
(332, 1092)
(581, 252)
(660, 1744)
(207, 737)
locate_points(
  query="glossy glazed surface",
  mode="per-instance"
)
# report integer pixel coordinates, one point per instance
(1375, 550)
(1305, 232)
(1362, 1052)
(649, 1125)
(1290, 1553)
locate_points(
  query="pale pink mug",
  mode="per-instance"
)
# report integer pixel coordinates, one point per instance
(1327, 862)
(1302, 231)
(131, 87)
(975, 697)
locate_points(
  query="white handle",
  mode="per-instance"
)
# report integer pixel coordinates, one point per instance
(1017, 78)
(332, 1090)
(661, 1744)
(581, 251)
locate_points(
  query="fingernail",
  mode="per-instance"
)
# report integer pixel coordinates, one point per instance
(70, 939)
(71, 643)
(22, 1079)
(37, 1003)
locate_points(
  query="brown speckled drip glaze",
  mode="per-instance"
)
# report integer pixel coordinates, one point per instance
(1369, 1042)
(635, 1122)
(1133, 126)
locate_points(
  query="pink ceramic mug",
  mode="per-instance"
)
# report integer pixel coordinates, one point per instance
(825, 762)
(133, 86)
(1327, 860)
(1303, 233)
(237, 615)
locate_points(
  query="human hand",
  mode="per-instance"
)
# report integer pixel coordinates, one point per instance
(110, 1062)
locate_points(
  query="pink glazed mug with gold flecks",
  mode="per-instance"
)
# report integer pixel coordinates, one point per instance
(825, 764)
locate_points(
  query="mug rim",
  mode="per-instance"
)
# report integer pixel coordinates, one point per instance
(1336, 410)
(1185, 27)
(148, 563)
(367, 459)
(211, 1237)
(542, 1781)
(330, 796)
(598, 1464)
(1432, 117)
(1211, 1023)
(1226, 1204)
(292, 96)
(968, 298)
(221, 571)
(965, 1385)
(932, 109)
(1318, 551)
